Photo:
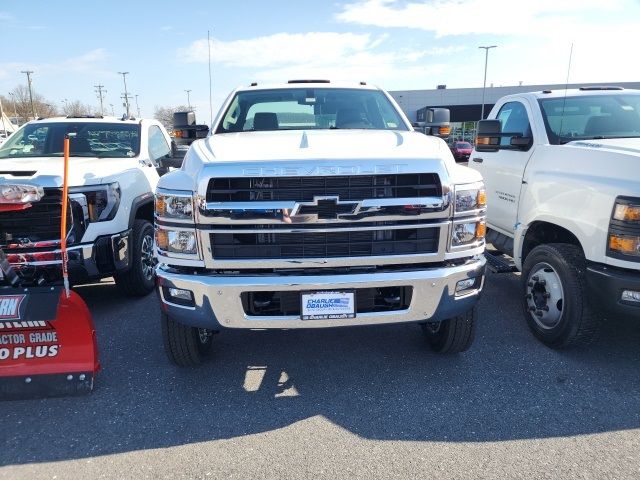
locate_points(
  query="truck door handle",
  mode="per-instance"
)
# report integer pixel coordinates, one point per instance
(478, 159)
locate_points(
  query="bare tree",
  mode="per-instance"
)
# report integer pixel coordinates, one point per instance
(165, 114)
(76, 108)
(19, 104)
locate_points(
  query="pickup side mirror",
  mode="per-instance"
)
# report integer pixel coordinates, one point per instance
(436, 122)
(173, 159)
(488, 136)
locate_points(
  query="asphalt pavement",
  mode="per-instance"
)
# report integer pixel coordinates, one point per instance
(342, 403)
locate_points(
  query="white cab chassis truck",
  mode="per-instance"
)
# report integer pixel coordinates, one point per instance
(114, 167)
(562, 174)
(314, 205)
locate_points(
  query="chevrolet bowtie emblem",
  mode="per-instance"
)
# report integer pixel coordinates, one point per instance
(326, 208)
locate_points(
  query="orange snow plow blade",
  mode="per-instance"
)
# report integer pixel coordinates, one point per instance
(47, 343)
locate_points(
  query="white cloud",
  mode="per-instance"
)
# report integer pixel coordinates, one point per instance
(281, 49)
(464, 17)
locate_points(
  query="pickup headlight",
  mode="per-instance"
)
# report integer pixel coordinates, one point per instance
(470, 199)
(102, 200)
(174, 205)
(17, 194)
(624, 229)
(467, 233)
(176, 241)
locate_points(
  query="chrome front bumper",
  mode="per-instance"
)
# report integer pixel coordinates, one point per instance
(217, 298)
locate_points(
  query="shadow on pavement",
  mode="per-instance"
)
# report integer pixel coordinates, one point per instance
(378, 383)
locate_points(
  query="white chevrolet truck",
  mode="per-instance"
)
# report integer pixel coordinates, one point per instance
(562, 173)
(114, 167)
(315, 205)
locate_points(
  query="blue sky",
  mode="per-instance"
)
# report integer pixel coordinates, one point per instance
(397, 44)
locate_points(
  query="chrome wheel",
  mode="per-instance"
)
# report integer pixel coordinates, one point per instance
(545, 296)
(146, 258)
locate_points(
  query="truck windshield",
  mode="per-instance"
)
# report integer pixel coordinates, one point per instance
(92, 139)
(591, 117)
(310, 108)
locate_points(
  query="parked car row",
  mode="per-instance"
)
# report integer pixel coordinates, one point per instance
(313, 204)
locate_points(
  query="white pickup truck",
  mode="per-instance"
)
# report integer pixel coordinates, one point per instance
(114, 167)
(312, 205)
(562, 174)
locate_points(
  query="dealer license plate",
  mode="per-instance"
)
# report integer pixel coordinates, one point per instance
(328, 305)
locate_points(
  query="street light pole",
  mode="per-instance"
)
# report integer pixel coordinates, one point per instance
(29, 72)
(126, 94)
(188, 98)
(484, 84)
(137, 106)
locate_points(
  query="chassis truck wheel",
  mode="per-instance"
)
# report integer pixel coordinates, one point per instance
(185, 346)
(555, 303)
(140, 279)
(453, 335)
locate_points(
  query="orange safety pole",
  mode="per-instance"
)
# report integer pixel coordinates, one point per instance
(63, 221)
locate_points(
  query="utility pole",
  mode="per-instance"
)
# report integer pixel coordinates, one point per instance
(125, 96)
(484, 84)
(137, 106)
(29, 72)
(113, 113)
(100, 91)
(188, 98)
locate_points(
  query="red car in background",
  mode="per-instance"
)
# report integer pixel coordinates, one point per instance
(461, 151)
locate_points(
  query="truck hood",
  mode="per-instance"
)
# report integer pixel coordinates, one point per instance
(48, 171)
(319, 145)
(630, 146)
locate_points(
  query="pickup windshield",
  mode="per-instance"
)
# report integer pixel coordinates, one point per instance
(92, 139)
(591, 117)
(310, 108)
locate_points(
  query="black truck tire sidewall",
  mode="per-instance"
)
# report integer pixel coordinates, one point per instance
(574, 297)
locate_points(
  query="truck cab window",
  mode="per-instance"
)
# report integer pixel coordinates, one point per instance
(158, 146)
(514, 119)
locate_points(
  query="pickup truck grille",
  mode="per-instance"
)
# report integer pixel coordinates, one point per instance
(40, 222)
(303, 245)
(357, 187)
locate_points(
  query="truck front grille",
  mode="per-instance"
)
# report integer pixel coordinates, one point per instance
(303, 245)
(40, 222)
(302, 189)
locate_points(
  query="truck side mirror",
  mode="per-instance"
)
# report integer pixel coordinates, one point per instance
(488, 136)
(438, 122)
(173, 159)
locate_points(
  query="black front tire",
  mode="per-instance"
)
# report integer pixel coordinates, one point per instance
(140, 279)
(185, 346)
(454, 335)
(576, 321)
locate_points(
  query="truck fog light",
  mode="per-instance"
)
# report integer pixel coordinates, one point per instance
(181, 294)
(178, 296)
(463, 285)
(630, 296)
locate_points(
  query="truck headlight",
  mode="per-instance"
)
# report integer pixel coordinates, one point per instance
(175, 205)
(624, 244)
(176, 241)
(470, 199)
(467, 233)
(624, 228)
(102, 200)
(17, 194)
